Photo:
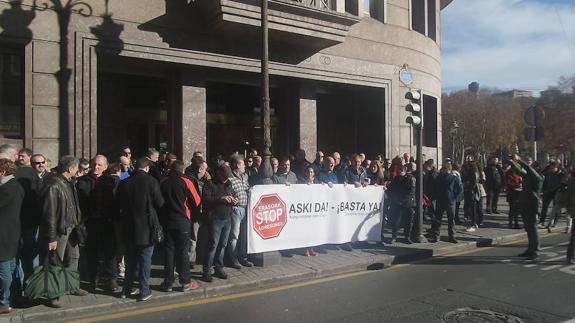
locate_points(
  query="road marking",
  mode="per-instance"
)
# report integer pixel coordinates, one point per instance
(552, 267)
(168, 307)
(175, 306)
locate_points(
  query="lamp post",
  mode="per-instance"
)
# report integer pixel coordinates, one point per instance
(453, 132)
(266, 167)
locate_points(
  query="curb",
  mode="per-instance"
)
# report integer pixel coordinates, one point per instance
(373, 262)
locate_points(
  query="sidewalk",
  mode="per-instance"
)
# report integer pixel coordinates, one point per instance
(331, 261)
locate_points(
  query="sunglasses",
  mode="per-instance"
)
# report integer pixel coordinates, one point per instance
(40, 162)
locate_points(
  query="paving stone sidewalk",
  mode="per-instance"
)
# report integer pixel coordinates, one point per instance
(331, 261)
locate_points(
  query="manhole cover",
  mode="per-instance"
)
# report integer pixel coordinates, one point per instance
(469, 315)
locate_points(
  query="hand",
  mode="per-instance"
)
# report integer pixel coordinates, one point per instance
(52, 245)
(330, 184)
(357, 184)
(288, 184)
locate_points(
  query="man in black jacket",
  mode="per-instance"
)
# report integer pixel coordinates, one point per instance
(218, 203)
(30, 214)
(96, 193)
(401, 194)
(493, 184)
(529, 204)
(60, 216)
(448, 187)
(140, 199)
(181, 198)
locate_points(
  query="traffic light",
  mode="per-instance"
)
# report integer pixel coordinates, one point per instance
(415, 107)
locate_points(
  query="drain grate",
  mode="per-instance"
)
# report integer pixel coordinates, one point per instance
(469, 315)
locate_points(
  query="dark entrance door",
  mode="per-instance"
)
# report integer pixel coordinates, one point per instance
(132, 110)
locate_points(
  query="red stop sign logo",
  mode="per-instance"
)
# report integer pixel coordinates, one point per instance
(269, 216)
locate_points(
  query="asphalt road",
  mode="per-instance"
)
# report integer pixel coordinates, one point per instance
(481, 286)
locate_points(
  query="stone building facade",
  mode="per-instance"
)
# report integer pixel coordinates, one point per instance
(88, 77)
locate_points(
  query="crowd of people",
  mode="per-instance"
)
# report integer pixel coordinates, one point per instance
(106, 217)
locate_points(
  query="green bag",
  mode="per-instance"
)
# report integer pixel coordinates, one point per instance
(52, 279)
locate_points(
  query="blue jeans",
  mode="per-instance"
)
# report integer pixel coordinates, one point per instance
(7, 271)
(238, 214)
(138, 257)
(217, 241)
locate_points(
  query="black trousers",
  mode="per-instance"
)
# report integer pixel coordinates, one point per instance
(514, 207)
(529, 217)
(492, 199)
(401, 216)
(443, 207)
(101, 248)
(547, 198)
(176, 246)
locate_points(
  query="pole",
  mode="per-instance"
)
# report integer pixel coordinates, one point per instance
(266, 167)
(534, 149)
(418, 236)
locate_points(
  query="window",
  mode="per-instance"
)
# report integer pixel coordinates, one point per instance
(351, 6)
(376, 9)
(418, 15)
(429, 121)
(11, 94)
(431, 19)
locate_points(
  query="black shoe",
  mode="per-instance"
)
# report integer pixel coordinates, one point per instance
(392, 241)
(246, 263)
(236, 265)
(570, 261)
(207, 278)
(452, 240)
(433, 239)
(487, 212)
(145, 297)
(524, 254)
(532, 256)
(495, 212)
(408, 241)
(166, 287)
(220, 273)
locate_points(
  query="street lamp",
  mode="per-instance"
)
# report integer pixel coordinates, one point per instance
(453, 133)
(266, 167)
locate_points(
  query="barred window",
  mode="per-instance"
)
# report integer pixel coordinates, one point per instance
(11, 94)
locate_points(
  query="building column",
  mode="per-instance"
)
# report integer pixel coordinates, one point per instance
(190, 122)
(340, 5)
(308, 120)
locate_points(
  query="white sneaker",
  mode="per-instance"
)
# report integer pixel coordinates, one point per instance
(470, 229)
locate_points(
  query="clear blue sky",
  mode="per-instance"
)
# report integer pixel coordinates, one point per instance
(507, 44)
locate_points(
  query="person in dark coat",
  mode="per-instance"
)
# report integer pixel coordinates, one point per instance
(514, 186)
(401, 194)
(11, 197)
(554, 176)
(429, 176)
(493, 184)
(181, 198)
(140, 200)
(218, 204)
(61, 216)
(96, 193)
(529, 204)
(30, 215)
(448, 187)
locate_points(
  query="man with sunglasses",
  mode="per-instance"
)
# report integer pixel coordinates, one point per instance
(29, 215)
(38, 163)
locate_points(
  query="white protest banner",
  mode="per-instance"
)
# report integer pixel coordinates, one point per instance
(297, 216)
